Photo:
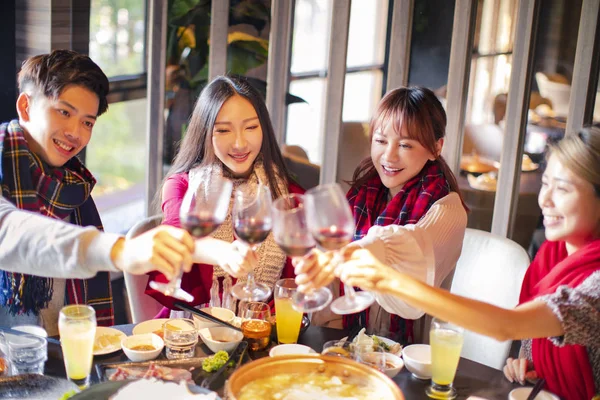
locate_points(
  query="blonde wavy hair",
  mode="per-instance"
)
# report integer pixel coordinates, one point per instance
(580, 153)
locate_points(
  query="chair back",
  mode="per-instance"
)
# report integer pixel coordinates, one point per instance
(142, 306)
(491, 269)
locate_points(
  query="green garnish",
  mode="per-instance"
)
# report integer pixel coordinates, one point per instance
(68, 394)
(380, 343)
(216, 361)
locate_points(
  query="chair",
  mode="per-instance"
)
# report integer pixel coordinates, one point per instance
(491, 269)
(354, 147)
(142, 306)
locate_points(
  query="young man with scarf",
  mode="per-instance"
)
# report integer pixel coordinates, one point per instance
(407, 209)
(61, 96)
(557, 318)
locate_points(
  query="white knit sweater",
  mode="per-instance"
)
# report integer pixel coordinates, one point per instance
(427, 250)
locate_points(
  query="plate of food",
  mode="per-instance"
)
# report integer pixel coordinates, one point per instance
(107, 340)
(386, 344)
(151, 326)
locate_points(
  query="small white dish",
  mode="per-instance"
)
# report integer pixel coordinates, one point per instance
(129, 342)
(107, 340)
(220, 338)
(523, 392)
(393, 365)
(223, 314)
(417, 359)
(290, 349)
(32, 329)
(151, 326)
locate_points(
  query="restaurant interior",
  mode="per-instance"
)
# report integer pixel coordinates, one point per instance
(513, 76)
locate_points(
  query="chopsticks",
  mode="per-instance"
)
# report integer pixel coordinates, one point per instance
(202, 314)
(537, 388)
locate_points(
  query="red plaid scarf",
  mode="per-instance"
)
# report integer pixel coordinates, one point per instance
(62, 193)
(567, 369)
(370, 207)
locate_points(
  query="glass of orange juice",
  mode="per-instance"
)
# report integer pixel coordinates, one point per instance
(446, 342)
(77, 328)
(288, 319)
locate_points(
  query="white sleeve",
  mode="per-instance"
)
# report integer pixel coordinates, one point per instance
(33, 244)
(427, 250)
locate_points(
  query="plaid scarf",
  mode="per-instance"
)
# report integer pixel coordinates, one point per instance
(370, 207)
(62, 193)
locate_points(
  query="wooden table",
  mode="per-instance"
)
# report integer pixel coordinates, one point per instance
(472, 378)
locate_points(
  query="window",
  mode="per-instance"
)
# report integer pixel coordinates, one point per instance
(364, 62)
(117, 36)
(116, 152)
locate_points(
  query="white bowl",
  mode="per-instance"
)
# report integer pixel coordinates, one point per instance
(393, 360)
(220, 338)
(141, 339)
(417, 358)
(522, 393)
(290, 349)
(219, 312)
(375, 358)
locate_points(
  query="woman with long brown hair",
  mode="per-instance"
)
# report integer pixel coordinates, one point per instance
(230, 136)
(406, 205)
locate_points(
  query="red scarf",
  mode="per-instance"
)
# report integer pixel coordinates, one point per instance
(370, 207)
(567, 369)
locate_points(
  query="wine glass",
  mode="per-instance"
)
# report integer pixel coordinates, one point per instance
(202, 210)
(291, 233)
(331, 224)
(252, 223)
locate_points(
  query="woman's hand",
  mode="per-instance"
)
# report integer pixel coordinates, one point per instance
(520, 370)
(165, 249)
(364, 270)
(314, 270)
(236, 259)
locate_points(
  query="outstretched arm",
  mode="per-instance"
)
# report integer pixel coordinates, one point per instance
(531, 320)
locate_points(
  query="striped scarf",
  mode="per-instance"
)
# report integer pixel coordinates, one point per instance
(62, 193)
(370, 207)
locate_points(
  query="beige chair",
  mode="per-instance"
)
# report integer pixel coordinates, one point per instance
(142, 306)
(353, 148)
(491, 269)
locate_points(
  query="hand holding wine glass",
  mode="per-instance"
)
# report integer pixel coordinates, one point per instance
(202, 210)
(252, 224)
(331, 224)
(291, 233)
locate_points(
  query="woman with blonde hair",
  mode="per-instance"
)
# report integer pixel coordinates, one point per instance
(558, 317)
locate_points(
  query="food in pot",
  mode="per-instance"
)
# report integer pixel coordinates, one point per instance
(314, 385)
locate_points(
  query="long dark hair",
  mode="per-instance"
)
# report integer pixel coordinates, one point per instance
(421, 113)
(196, 147)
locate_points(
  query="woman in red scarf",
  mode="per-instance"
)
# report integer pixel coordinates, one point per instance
(406, 205)
(560, 298)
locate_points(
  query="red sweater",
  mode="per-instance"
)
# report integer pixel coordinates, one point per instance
(198, 281)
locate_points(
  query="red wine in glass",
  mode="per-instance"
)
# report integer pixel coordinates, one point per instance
(199, 227)
(252, 231)
(332, 238)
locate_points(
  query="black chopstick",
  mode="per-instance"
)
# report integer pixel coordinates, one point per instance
(537, 388)
(202, 314)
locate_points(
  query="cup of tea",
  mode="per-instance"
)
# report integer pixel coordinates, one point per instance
(256, 325)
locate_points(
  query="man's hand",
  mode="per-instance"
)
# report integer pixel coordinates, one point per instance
(165, 249)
